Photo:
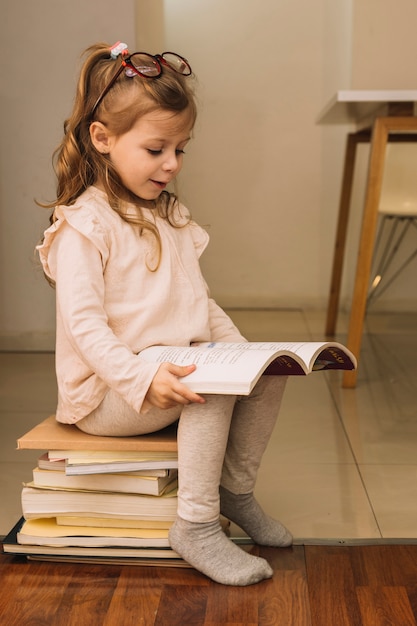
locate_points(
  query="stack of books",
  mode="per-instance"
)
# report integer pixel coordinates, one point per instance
(105, 498)
(96, 496)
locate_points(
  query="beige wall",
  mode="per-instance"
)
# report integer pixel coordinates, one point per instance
(41, 43)
(384, 45)
(260, 174)
(252, 175)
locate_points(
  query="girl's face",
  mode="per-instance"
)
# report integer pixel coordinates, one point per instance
(150, 154)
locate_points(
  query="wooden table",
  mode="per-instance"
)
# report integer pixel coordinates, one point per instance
(378, 117)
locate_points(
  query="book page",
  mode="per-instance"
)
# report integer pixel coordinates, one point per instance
(218, 353)
(221, 367)
(235, 367)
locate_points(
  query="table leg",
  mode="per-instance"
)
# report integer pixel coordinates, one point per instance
(341, 232)
(367, 240)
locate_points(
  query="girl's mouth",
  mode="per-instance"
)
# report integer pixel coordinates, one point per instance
(159, 184)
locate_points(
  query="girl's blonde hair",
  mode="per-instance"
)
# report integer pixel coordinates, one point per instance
(79, 165)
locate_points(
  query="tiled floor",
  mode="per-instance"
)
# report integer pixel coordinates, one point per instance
(342, 463)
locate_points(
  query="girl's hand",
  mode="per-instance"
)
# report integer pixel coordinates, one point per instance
(166, 390)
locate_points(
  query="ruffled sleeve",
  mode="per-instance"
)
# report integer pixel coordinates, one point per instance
(200, 238)
(85, 222)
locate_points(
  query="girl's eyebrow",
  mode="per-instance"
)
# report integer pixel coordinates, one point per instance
(164, 139)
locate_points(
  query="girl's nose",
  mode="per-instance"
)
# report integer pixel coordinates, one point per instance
(171, 162)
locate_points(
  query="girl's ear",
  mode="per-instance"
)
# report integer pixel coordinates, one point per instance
(100, 137)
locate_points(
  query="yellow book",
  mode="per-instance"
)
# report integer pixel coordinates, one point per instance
(102, 522)
(47, 532)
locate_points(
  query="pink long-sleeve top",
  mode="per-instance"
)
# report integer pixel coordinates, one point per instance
(110, 306)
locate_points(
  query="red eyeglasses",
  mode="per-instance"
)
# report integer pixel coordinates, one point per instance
(145, 65)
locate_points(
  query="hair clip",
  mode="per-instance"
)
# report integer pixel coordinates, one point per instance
(117, 49)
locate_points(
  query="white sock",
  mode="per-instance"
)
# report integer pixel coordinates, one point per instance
(206, 547)
(244, 510)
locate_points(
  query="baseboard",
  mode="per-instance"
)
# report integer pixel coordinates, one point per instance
(27, 342)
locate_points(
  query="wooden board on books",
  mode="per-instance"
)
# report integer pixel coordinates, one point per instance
(50, 434)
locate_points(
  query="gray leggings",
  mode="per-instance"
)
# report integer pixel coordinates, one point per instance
(219, 442)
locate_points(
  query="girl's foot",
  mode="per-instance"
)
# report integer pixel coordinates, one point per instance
(206, 547)
(243, 510)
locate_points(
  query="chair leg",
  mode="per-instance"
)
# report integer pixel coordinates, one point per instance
(379, 284)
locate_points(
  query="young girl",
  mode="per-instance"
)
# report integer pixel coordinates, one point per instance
(123, 254)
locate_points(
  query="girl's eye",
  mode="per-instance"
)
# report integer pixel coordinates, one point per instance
(158, 152)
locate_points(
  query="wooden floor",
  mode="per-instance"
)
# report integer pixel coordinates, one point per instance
(312, 586)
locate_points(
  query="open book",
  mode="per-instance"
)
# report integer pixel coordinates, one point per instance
(234, 368)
